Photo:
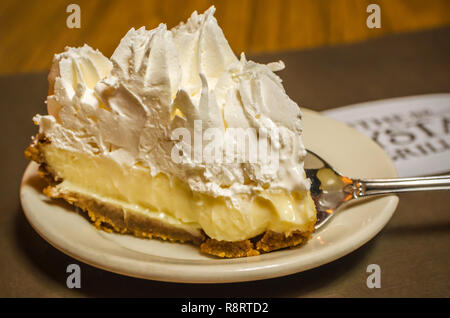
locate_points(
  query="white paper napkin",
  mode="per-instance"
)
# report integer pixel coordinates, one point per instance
(414, 131)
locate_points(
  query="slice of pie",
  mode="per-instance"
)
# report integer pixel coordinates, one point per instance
(176, 138)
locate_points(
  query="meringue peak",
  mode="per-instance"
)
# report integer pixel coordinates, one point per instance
(160, 80)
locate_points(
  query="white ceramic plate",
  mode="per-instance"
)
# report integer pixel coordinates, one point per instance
(346, 149)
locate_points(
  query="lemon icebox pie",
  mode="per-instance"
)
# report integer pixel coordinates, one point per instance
(176, 138)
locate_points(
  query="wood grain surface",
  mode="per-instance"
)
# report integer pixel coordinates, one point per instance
(32, 31)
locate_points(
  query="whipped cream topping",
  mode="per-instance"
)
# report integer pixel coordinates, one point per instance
(128, 107)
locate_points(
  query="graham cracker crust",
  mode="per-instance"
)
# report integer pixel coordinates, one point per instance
(111, 218)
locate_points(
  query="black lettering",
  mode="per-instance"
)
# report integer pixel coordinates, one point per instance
(363, 124)
(422, 149)
(400, 137)
(377, 122)
(392, 120)
(420, 114)
(446, 125)
(431, 147)
(425, 130)
(403, 153)
(445, 145)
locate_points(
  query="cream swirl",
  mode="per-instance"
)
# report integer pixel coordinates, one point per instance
(159, 80)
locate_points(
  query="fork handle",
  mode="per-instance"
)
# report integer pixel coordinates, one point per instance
(368, 187)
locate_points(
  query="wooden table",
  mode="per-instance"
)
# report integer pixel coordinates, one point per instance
(32, 31)
(412, 250)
